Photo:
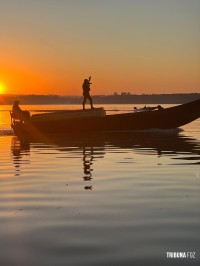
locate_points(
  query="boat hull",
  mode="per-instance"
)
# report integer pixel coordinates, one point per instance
(168, 118)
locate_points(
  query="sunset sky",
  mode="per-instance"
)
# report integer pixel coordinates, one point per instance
(137, 46)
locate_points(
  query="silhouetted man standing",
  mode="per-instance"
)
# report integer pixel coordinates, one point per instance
(86, 92)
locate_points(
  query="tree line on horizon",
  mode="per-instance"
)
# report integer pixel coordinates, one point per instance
(123, 98)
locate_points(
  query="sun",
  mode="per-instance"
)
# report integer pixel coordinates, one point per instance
(2, 87)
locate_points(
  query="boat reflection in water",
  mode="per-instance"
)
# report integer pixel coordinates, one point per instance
(95, 146)
(111, 198)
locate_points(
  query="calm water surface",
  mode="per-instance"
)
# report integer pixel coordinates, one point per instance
(104, 199)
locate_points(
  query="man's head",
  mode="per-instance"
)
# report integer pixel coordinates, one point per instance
(16, 102)
(87, 81)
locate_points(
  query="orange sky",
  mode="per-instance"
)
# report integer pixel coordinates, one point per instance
(49, 47)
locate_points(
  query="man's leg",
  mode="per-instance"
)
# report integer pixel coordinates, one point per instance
(84, 101)
(91, 102)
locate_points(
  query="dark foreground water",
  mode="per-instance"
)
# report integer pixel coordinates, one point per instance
(107, 199)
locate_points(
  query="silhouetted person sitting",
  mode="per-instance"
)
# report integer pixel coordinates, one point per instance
(18, 113)
(86, 92)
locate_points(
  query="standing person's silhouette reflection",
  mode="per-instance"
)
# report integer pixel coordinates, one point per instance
(87, 163)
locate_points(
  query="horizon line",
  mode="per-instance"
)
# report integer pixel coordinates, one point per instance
(98, 95)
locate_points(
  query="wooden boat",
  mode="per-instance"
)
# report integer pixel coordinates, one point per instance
(95, 120)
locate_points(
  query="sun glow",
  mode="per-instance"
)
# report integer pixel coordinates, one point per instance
(2, 87)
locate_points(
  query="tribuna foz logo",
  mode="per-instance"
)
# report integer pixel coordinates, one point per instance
(181, 255)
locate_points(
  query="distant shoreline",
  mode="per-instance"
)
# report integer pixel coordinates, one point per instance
(124, 98)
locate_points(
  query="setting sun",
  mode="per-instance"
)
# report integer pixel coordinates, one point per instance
(2, 87)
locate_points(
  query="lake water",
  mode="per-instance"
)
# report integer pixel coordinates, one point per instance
(106, 199)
